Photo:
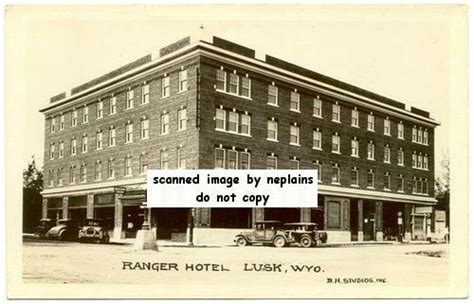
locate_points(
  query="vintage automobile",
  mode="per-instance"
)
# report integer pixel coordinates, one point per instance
(265, 232)
(65, 230)
(304, 234)
(44, 226)
(94, 230)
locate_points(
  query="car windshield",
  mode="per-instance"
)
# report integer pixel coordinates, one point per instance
(93, 223)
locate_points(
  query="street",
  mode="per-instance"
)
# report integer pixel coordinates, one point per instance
(397, 265)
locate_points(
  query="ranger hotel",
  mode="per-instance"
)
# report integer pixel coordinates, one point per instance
(215, 105)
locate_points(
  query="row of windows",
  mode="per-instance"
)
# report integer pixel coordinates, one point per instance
(237, 85)
(112, 134)
(111, 167)
(130, 102)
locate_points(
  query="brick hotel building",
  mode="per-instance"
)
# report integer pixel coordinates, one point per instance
(203, 105)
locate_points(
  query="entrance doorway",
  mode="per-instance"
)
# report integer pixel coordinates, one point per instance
(392, 211)
(368, 212)
(132, 220)
(171, 223)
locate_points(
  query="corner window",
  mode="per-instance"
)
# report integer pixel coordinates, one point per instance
(181, 158)
(246, 87)
(221, 80)
(220, 119)
(182, 119)
(183, 81)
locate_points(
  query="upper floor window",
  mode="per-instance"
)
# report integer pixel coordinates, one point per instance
(60, 176)
(401, 157)
(145, 93)
(72, 174)
(386, 127)
(53, 125)
(144, 129)
(400, 183)
(165, 124)
(182, 119)
(272, 95)
(111, 168)
(425, 162)
(318, 166)
(272, 130)
(414, 134)
(130, 96)
(414, 160)
(52, 148)
(244, 160)
(61, 149)
(129, 133)
(355, 118)
(386, 154)
(221, 78)
(401, 131)
(83, 173)
(336, 143)
(371, 151)
(232, 159)
(246, 87)
(317, 107)
(355, 147)
(74, 118)
(220, 119)
(371, 122)
(128, 166)
(164, 163)
(61, 122)
(51, 177)
(336, 174)
(420, 136)
(84, 144)
(295, 101)
(112, 135)
(143, 163)
(233, 83)
(245, 124)
(370, 179)
(386, 181)
(165, 86)
(219, 162)
(183, 81)
(98, 170)
(355, 177)
(294, 135)
(181, 158)
(425, 137)
(113, 105)
(98, 140)
(317, 139)
(100, 110)
(336, 113)
(85, 114)
(73, 146)
(272, 162)
(233, 123)
(294, 164)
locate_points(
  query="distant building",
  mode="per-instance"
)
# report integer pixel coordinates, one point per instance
(214, 105)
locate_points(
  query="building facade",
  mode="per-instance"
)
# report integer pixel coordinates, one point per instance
(214, 105)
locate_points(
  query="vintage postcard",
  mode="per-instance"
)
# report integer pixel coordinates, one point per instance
(237, 151)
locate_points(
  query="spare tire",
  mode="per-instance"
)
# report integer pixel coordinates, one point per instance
(90, 232)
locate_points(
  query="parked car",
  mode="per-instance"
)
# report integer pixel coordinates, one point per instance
(304, 234)
(65, 230)
(43, 227)
(94, 230)
(265, 232)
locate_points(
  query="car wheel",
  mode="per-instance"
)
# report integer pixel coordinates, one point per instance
(105, 240)
(62, 235)
(241, 241)
(305, 241)
(279, 242)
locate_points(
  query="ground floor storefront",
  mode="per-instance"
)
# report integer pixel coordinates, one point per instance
(344, 218)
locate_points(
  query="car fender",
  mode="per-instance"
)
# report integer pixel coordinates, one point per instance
(282, 235)
(244, 236)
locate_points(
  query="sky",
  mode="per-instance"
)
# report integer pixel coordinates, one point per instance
(403, 53)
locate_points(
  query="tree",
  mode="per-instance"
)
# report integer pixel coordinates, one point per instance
(32, 199)
(442, 187)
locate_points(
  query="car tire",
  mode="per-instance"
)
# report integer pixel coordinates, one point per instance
(279, 242)
(62, 235)
(241, 241)
(306, 241)
(105, 240)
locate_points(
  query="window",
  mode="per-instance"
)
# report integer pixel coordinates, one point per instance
(401, 157)
(294, 164)
(72, 174)
(181, 158)
(144, 129)
(400, 183)
(83, 173)
(272, 95)
(98, 140)
(145, 94)
(143, 163)
(165, 124)
(413, 160)
(51, 178)
(74, 118)
(318, 167)
(294, 135)
(220, 119)
(61, 149)
(182, 119)
(295, 101)
(73, 146)
(111, 169)
(317, 139)
(61, 122)
(371, 151)
(386, 154)
(84, 144)
(425, 137)
(52, 148)
(130, 96)
(415, 187)
(355, 147)
(129, 133)
(128, 166)
(355, 118)
(233, 125)
(334, 214)
(112, 134)
(164, 160)
(244, 160)
(53, 125)
(183, 81)
(335, 178)
(401, 131)
(272, 162)
(233, 84)
(221, 80)
(386, 181)
(336, 113)
(113, 105)
(386, 127)
(371, 122)
(245, 124)
(98, 170)
(246, 87)
(165, 87)
(85, 114)
(232, 159)
(425, 188)
(336, 143)
(370, 179)
(425, 162)
(355, 177)
(60, 176)
(100, 110)
(272, 130)
(413, 134)
(420, 136)
(317, 107)
(219, 162)
(420, 162)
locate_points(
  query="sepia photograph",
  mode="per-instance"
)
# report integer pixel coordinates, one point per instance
(372, 98)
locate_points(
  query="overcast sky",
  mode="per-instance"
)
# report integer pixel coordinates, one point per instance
(401, 53)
